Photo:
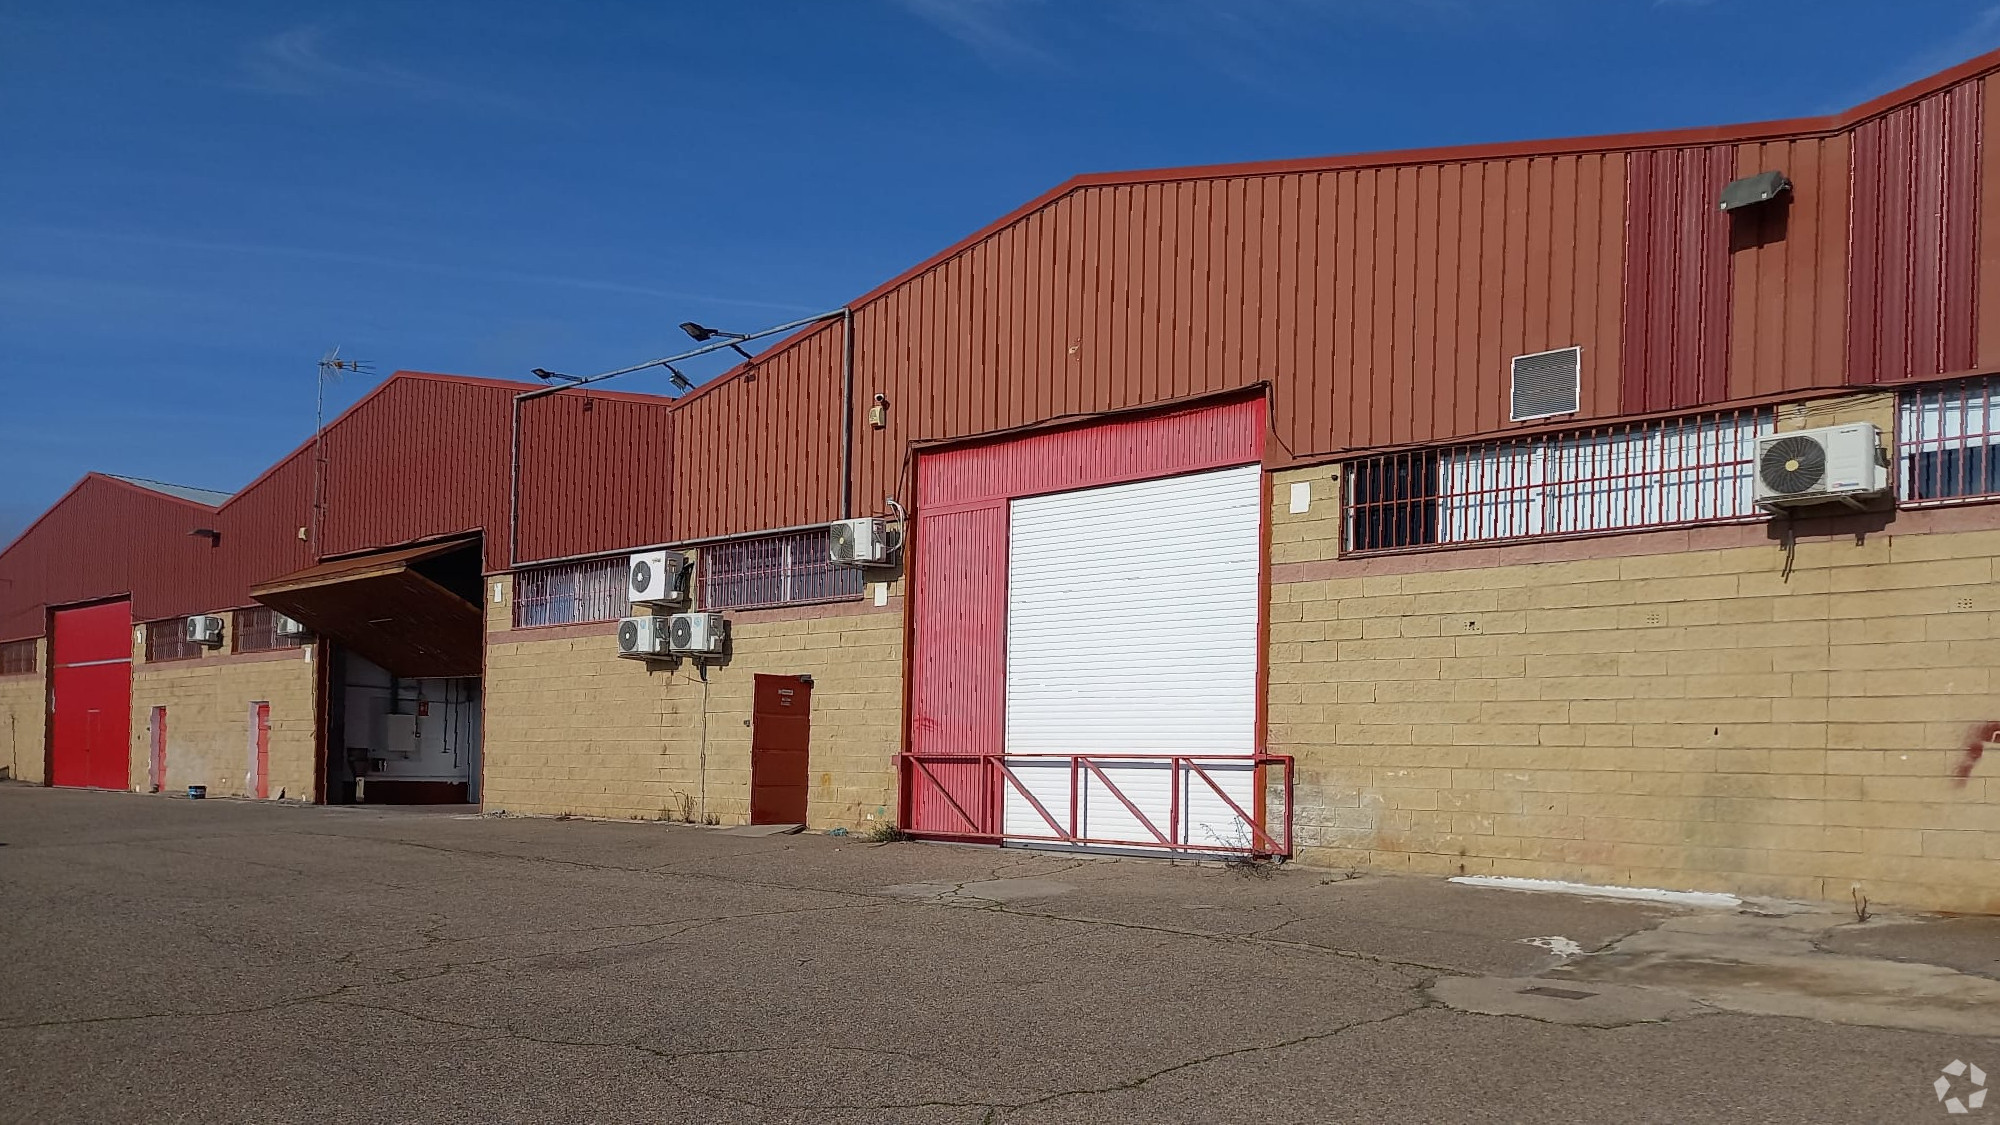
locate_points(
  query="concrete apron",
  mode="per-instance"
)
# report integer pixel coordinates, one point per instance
(1767, 959)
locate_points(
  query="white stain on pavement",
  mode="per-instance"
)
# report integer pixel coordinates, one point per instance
(1556, 944)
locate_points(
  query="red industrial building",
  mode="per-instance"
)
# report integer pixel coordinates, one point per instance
(1617, 509)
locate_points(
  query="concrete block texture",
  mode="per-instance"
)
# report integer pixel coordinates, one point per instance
(1685, 719)
(572, 728)
(23, 713)
(208, 701)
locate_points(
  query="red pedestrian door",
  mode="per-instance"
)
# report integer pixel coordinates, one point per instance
(260, 750)
(780, 732)
(90, 697)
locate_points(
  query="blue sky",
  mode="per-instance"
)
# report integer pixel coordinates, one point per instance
(198, 200)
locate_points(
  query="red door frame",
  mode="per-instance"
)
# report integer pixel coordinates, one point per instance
(89, 728)
(157, 763)
(260, 761)
(1173, 441)
(780, 749)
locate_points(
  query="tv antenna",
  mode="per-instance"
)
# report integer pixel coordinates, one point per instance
(331, 368)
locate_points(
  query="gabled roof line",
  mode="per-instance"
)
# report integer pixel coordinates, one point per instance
(206, 497)
(115, 482)
(1793, 128)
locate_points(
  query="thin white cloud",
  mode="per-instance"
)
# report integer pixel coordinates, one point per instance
(1241, 39)
(993, 29)
(347, 257)
(305, 62)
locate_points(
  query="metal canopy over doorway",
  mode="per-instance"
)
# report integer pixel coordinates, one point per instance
(412, 611)
(403, 651)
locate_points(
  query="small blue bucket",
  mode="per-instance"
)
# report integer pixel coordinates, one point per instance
(197, 792)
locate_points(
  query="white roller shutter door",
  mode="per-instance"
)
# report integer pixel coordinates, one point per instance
(1132, 630)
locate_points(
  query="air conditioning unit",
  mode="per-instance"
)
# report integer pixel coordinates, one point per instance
(658, 578)
(696, 634)
(1836, 463)
(642, 638)
(204, 630)
(863, 542)
(286, 627)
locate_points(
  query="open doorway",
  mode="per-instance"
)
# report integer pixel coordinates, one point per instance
(402, 651)
(400, 740)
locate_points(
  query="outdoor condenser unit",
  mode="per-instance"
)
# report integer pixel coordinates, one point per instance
(1842, 463)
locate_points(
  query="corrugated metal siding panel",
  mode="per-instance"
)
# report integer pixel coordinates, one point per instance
(596, 475)
(422, 457)
(1789, 260)
(763, 450)
(260, 537)
(1914, 234)
(1988, 234)
(957, 685)
(1676, 292)
(103, 539)
(1382, 304)
(1132, 449)
(425, 457)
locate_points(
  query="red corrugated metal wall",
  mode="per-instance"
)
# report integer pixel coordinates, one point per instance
(420, 457)
(1789, 263)
(260, 538)
(1914, 232)
(1676, 285)
(426, 457)
(1140, 448)
(763, 450)
(1382, 304)
(104, 539)
(596, 474)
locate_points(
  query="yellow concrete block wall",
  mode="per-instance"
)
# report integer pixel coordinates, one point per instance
(573, 728)
(1682, 709)
(23, 720)
(208, 700)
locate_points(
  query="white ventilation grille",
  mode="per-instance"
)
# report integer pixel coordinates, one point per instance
(1546, 383)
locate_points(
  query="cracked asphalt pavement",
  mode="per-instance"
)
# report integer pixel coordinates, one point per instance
(169, 960)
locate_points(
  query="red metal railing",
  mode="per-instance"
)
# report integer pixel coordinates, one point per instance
(1661, 473)
(1946, 433)
(1093, 800)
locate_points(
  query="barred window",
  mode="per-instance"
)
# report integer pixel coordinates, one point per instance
(256, 630)
(572, 593)
(775, 570)
(1612, 478)
(17, 658)
(167, 640)
(1946, 439)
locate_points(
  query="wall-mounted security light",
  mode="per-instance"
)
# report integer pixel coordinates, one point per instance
(1752, 190)
(213, 536)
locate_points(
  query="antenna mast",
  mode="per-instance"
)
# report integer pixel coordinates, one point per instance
(331, 368)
